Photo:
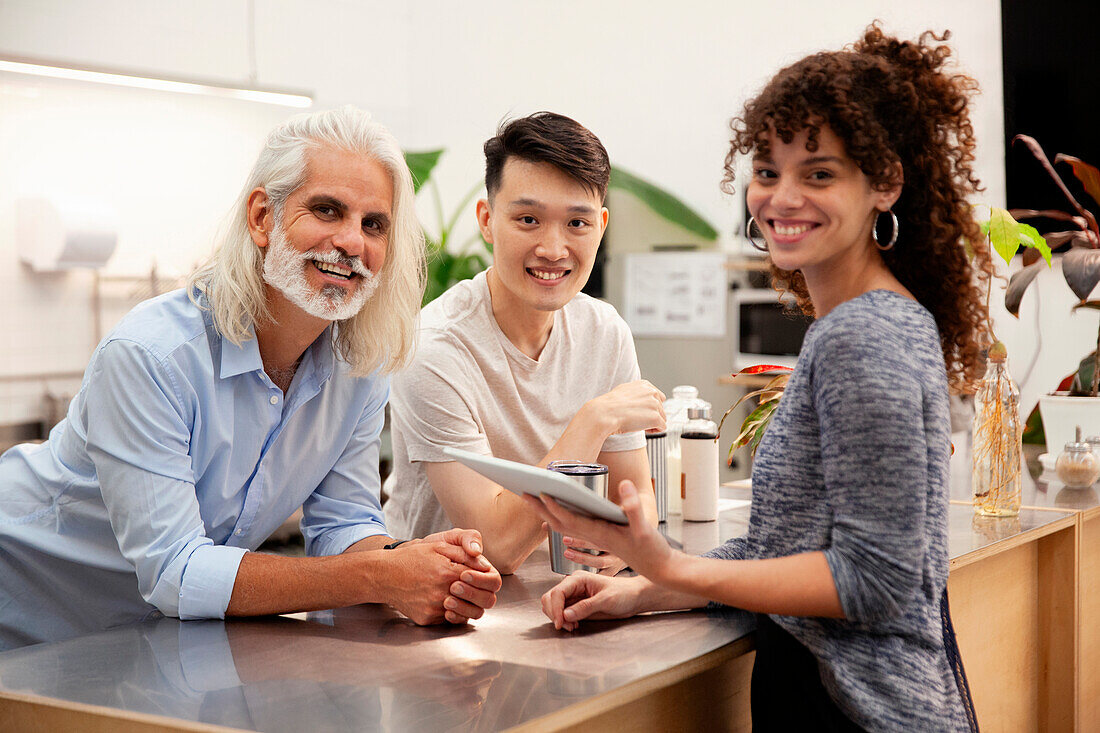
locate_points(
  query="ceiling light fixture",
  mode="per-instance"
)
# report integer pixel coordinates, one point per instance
(283, 97)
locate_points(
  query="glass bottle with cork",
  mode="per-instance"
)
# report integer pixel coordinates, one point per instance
(997, 444)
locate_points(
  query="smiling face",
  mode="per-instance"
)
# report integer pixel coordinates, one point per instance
(324, 253)
(815, 208)
(545, 228)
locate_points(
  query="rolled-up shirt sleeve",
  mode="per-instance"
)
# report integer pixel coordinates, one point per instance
(347, 507)
(874, 457)
(139, 421)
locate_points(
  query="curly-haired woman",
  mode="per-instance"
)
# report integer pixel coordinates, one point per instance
(861, 165)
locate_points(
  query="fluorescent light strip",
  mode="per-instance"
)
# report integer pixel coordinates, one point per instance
(287, 99)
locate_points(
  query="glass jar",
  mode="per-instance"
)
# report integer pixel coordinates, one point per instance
(997, 447)
(1077, 467)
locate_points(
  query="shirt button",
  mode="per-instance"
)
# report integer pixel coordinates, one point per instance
(274, 400)
(237, 532)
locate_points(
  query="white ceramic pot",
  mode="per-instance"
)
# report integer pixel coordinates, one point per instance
(1061, 416)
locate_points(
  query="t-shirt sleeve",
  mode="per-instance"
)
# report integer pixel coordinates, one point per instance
(869, 402)
(427, 406)
(625, 360)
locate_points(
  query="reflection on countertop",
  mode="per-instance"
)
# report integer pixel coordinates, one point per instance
(368, 668)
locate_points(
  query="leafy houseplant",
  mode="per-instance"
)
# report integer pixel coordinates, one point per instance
(1080, 265)
(448, 264)
(1078, 404)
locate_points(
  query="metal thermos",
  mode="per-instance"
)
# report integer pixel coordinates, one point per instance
(592, 476)
(656, 446)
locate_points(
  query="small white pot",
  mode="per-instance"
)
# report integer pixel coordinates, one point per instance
(1061, 416)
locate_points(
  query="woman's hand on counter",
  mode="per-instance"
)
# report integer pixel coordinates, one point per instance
(638, 544)
(586, 595)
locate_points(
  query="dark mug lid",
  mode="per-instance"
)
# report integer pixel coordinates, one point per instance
(577, 468)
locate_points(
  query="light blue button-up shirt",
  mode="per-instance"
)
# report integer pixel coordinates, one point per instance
(176, 457)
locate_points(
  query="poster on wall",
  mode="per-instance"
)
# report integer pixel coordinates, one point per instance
(678, 294)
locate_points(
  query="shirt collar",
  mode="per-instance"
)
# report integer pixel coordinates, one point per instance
(240, 358)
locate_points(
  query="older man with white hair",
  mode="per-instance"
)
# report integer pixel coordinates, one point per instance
(211, 413)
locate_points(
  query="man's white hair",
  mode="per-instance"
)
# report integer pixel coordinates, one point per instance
(383, 333)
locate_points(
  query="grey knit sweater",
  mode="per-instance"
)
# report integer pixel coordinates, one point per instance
(855, 464)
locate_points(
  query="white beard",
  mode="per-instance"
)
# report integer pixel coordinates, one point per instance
(285, 270)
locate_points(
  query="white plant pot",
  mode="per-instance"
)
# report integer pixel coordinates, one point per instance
(1061, 416)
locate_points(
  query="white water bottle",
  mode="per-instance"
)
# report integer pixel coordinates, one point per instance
(699, 466)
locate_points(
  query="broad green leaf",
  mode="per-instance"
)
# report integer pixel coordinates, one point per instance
(421, 165)
(663, 203)
(1030, 237)
(1004, 233)
(985, 228)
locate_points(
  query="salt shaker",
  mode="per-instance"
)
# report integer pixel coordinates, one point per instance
(1078, 466)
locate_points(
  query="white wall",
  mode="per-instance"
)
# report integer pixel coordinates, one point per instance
(656, 81)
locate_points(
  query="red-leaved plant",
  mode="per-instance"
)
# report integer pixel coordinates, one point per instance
(753, 427)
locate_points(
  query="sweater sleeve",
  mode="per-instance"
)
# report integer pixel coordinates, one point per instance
(870, 409)
(733, 549)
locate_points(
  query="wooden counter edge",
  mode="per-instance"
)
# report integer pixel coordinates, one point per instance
(585, 710)
(21, 711)
(1022, 538)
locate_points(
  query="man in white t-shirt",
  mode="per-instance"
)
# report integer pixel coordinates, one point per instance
(517, 362)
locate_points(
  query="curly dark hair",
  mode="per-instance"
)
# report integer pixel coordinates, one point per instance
(890, 102)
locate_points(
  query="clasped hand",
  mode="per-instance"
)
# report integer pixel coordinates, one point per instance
(444, 577)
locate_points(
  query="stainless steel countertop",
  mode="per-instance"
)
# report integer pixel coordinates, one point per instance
(368, 668)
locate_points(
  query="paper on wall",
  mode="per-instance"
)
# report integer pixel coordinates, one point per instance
(678, 294)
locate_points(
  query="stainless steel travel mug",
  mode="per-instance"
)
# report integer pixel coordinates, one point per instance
(656, 446)
(592, 476)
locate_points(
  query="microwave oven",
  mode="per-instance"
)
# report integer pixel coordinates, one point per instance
(767, 328)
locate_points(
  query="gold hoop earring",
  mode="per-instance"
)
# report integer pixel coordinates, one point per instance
(748, 234)
(893, 234)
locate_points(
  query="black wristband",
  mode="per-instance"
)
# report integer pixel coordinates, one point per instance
(394, 545)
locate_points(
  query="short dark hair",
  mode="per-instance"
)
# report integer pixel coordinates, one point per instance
(547, 137)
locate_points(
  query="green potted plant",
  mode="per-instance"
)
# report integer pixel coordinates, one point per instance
(447, 264)
(1075, 402)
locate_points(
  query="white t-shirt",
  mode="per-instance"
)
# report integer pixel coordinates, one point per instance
(469, 387)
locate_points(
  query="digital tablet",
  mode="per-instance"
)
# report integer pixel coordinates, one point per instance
(519, 478)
